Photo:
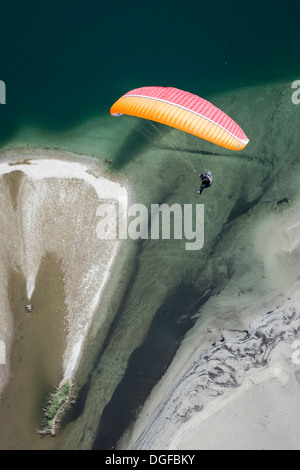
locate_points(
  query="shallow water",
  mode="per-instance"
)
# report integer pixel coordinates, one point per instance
(61, 83)
(36, 365)
(169, 285)
(158, 288)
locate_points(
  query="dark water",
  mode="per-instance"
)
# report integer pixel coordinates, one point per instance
(65, 61)
(171, 321)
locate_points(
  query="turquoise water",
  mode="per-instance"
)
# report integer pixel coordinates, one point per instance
(64, 62)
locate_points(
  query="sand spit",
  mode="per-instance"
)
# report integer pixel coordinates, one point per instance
(241, 390)
(48, 204)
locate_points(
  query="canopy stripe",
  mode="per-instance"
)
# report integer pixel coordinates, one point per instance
(185, 111)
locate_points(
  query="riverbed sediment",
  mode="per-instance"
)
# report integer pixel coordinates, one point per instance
(51, 258)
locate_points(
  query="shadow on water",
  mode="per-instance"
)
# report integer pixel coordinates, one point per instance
(190, 151)
(150, 135)
(133, 145)
(242, 206)
(148, 363)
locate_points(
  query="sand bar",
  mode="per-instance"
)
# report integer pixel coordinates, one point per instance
(49, 202)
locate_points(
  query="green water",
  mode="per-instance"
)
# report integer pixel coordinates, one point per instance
(64, 64)
(168, 285)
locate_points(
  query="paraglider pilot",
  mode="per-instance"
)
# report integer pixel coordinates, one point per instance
(206, 181)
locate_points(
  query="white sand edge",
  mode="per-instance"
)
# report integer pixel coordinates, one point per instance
(41, 165)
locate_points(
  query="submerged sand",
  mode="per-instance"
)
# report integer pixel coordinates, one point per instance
(235, 381)
(48, 208)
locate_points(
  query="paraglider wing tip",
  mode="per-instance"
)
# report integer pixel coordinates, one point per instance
(243, 143)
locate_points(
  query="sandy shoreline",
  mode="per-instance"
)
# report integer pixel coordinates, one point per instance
(50, 206)
(234, 381)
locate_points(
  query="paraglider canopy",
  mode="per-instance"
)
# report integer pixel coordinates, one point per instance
(182, 110)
